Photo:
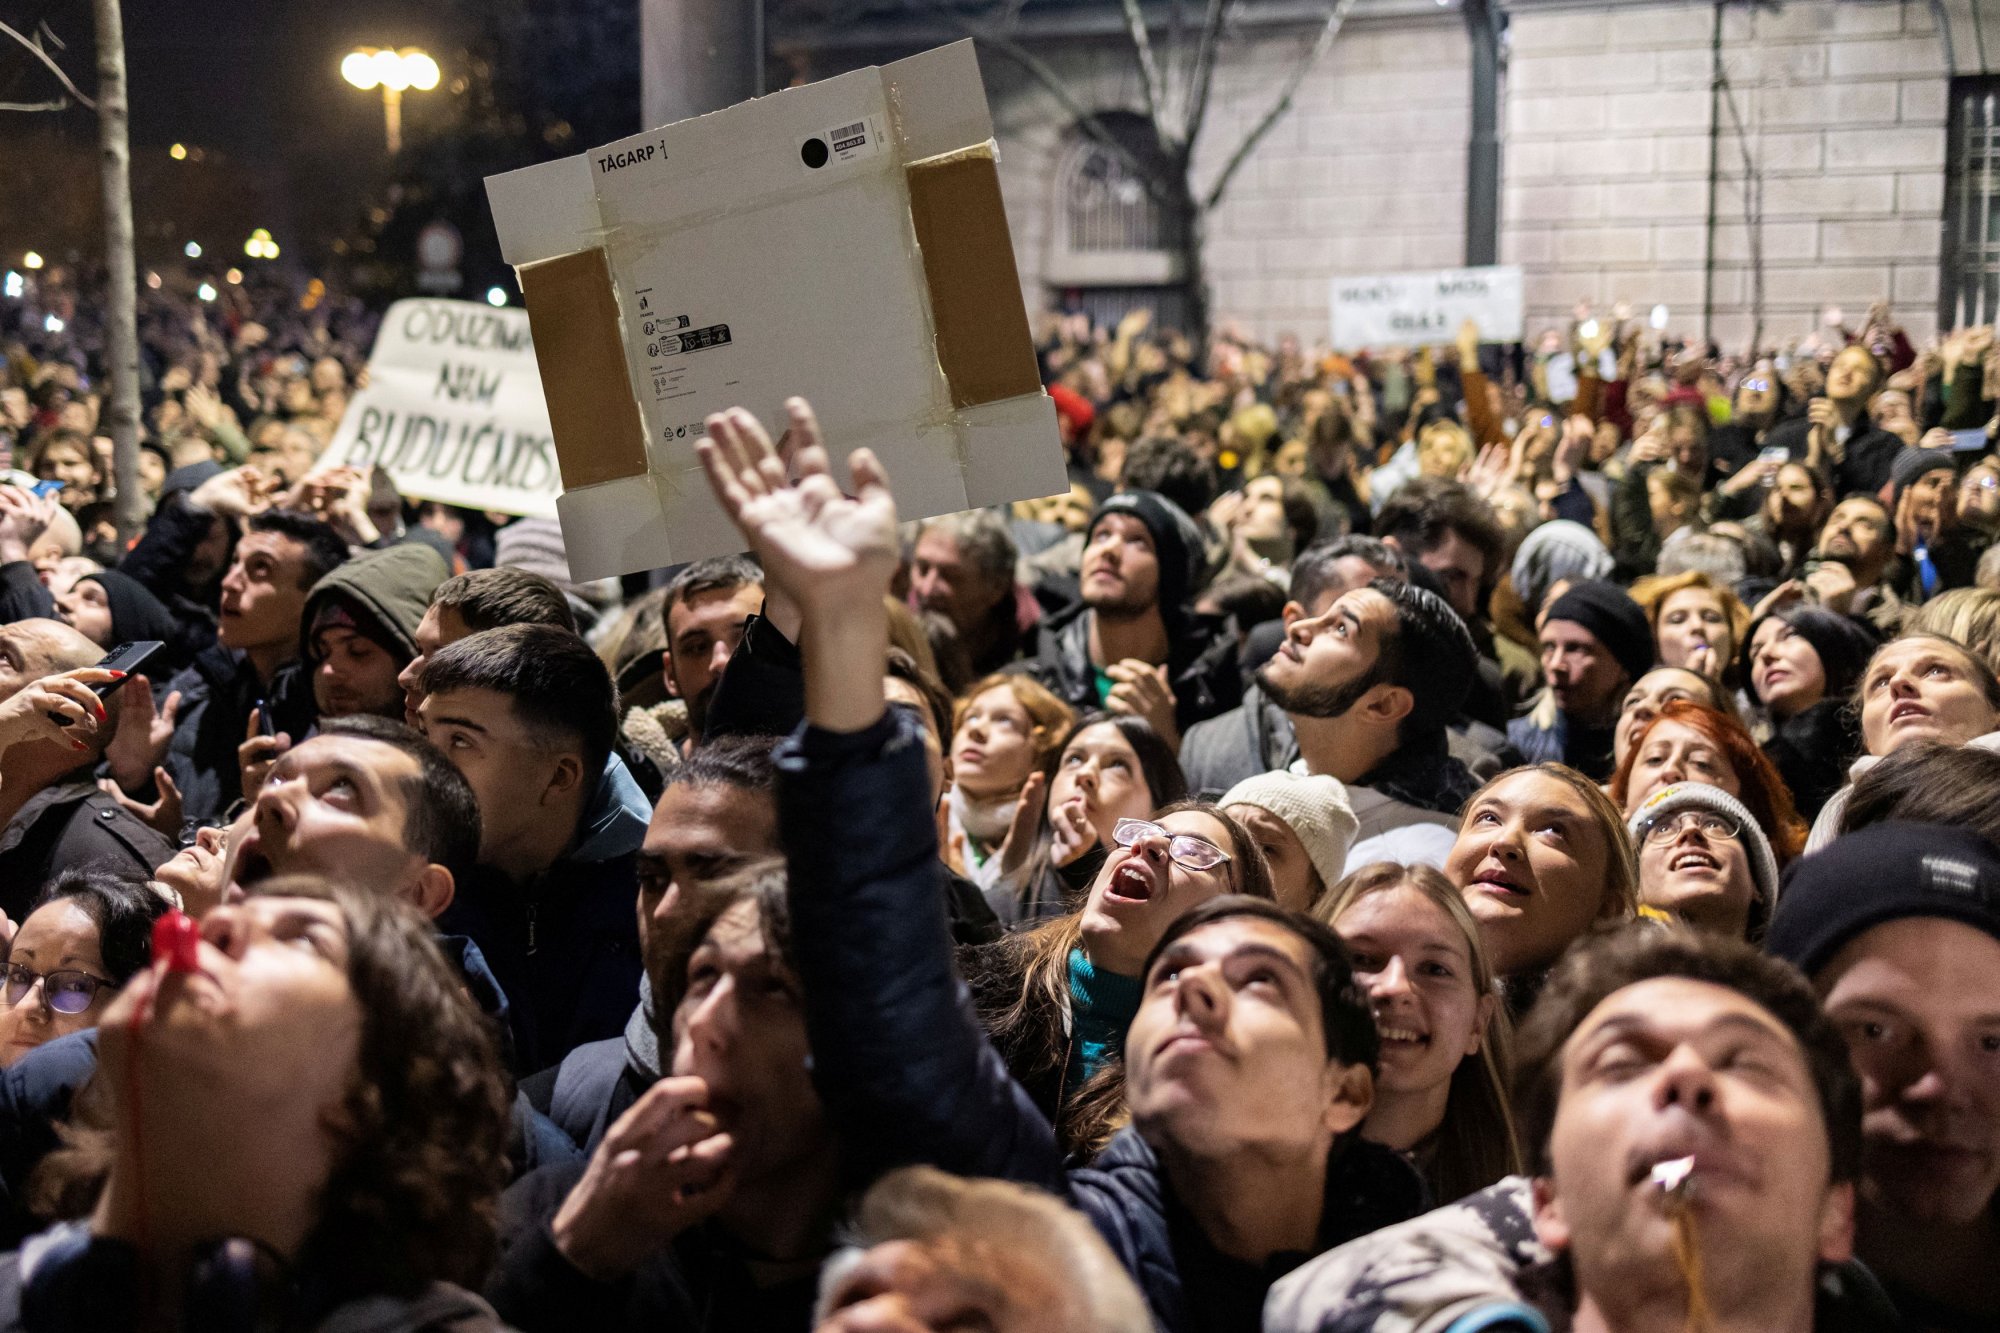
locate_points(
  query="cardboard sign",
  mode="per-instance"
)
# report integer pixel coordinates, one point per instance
(1426, 309)
(844, 241)
(454, 410)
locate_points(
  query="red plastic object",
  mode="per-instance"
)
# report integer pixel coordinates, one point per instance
(177, 939)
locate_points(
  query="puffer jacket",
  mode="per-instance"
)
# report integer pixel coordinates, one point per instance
(908, 1076)
(1254, 737)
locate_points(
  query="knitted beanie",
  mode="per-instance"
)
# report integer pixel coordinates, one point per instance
(1879, 874)
(1315, 808)
(1669, 801)
(1609, 613)
(1177, 545)
(1555, 551)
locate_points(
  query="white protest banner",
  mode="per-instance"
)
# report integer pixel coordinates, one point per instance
(454, 410)
(1423, 309)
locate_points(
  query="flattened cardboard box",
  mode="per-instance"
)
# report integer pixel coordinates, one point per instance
(844, 241)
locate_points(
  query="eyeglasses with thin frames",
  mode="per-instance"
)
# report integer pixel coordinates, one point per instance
(1190, 851)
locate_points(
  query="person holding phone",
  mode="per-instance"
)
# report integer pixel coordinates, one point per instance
(52, 816)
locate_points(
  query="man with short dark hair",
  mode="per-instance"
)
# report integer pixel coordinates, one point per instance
(702, 615)
(529, 714)
(1660, 1071)
(1134, 643)
(254, 665)
(1256, 736)
(715, 817)
(1444, 527)
(1369, 688)
(962, 568)
(480, 600)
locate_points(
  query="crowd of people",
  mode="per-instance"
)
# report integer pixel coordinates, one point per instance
(1486, 837)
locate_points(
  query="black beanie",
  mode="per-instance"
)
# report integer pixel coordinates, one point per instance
(1177, 544)
(135, 613)
(1608, 611)
(1844, 645)
(1912, 463)
(1883, 873)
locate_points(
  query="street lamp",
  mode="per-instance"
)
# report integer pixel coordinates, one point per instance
(392, 71)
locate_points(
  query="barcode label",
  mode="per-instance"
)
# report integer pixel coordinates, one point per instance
(848, 131)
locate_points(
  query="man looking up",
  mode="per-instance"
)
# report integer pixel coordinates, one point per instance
(528, 713)
(1368, 688)
(1648, 1049)
(1595, 643)
(1134, 644)
(468, 603)
(252, 665)
(52, 816)
(1256, 736)
(1852, 560)
(962, 567)
(1250, 1059)
(1836, 436)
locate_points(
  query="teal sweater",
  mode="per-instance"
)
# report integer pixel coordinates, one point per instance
(1102, 1005)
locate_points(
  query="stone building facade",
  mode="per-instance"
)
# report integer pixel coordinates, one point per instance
(1833, 121)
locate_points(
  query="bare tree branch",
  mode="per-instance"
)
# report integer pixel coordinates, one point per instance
(1040, 70)
(34, 48)
(1149, 73)
(1321, 45)
(1203, 74)
(1171, 66)
(60, 104)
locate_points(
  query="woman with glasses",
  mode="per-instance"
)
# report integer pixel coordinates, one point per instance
(1057, 999)
(86, 936)
(1704, 861)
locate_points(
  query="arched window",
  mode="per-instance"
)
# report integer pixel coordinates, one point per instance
(1113, 243)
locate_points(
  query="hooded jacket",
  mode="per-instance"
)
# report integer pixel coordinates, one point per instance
(565, 943)
(908, 1076)
(1201, 664)
(218, 690)
(390, 588)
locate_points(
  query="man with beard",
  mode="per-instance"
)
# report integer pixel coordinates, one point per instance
(1368, 688)
(1850, 565)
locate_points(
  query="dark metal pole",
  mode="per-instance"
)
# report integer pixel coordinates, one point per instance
(1482, 154)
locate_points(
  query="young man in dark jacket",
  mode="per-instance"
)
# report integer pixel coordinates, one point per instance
(1249, 1063)
(253, 665)
(1135, 644)
(360, 625)
(528, 713)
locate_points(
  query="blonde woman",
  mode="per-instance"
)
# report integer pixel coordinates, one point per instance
(1442, 1078)
(1002, 729)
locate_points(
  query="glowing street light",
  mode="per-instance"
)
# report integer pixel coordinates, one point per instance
(206, 291)
(192, 249)
(496, 296)
(260, 245)
(178, 152)
(31, 260)
(394, 72)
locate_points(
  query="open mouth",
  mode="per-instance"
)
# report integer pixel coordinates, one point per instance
(252, 866)
(1906, 711)
(1693, 860)
(1131, 882)
(1394, 1034)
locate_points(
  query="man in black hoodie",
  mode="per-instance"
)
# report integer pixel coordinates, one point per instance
(1134, 644)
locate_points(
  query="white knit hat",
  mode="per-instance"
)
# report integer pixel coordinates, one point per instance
(1670, 800)
(1315, 808)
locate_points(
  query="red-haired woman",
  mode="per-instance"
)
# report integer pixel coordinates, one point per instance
(1689, 742)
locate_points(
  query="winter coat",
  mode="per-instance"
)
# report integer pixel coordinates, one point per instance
(160, 558)
(72, 825)
(1254, 737)
(22, 596)
(908, 1076)
(599, 1080)
(218, 690)
(565, 944)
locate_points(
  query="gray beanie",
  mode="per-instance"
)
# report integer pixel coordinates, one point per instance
(1315, 808)
(1671, 800)
(1555, 551)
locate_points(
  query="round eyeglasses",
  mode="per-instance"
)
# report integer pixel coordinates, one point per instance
(1189, 851)
(1712, 825)
(64, 991)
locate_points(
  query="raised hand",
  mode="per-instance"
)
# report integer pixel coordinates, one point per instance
(24, 517)
(29, 713)
(141, 741)
(824, 549)
(1141, 689)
